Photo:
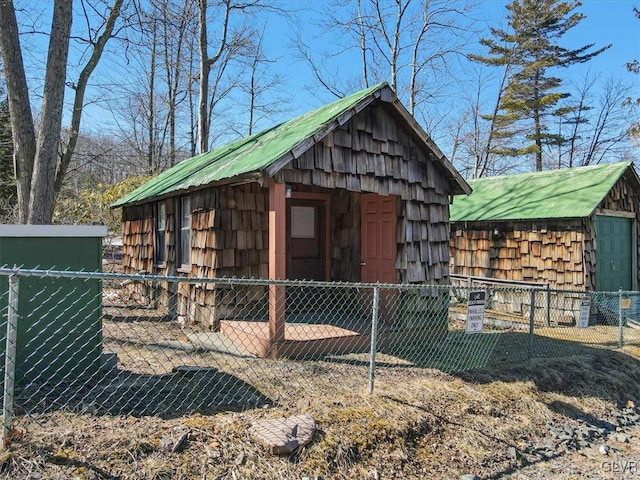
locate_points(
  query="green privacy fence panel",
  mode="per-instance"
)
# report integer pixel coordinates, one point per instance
(59, 321)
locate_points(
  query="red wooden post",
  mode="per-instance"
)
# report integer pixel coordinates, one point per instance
(277, 264)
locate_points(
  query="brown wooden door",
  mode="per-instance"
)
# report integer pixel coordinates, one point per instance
(306, 239)
(378, 230)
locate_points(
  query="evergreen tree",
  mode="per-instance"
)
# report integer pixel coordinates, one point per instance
(530, 50)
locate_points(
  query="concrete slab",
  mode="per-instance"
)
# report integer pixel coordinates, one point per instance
(217, 342)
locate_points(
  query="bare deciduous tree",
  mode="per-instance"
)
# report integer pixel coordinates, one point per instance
(597, 127)
(233, 42)
(176, 29)
(260, 88)
(478, 136)
(39, 167)
(98, 43)
(410, 43)
(36, 155)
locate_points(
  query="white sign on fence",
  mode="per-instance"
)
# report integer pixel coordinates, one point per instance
(585, 311)
(475, 311)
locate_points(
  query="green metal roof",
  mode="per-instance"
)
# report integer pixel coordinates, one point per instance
(247, 155)
(563, 193)
(271, 149)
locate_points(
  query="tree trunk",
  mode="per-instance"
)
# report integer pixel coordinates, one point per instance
(538, 140)
(252, 95)
(48, 142)
(151, 120)
(22, 129)
(80, 89)
(205, 68)
(173, 70)
(537, 128)
(363, 45)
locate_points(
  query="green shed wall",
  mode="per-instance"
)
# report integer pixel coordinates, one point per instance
(59, 326)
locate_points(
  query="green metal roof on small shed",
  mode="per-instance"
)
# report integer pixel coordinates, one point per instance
(562, 193)
(258, 152)
(250, 154)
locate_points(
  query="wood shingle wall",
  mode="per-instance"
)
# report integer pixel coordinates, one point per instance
(562, 252)
(230, 232)
(521, 251)
(371, 153)
(345, 236)
(137, 238)
(229, 237)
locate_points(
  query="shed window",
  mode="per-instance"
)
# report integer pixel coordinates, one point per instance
(184, 232)
(161, 223)
(303, 222)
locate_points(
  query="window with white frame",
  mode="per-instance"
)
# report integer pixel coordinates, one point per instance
(184, 233)
(160, 255)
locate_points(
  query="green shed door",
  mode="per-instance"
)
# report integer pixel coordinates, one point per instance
(613, 253)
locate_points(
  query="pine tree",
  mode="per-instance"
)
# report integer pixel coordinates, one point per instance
(530, 49)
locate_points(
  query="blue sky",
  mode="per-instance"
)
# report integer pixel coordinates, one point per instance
(609, 21)
(606, 22)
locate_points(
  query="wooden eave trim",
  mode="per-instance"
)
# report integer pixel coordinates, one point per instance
(252, 177)
(630, 171)
(615, 213)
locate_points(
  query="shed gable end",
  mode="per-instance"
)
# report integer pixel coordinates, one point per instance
(374, 153)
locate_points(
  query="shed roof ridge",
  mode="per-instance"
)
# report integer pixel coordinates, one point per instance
(551, 172)
(267, 151)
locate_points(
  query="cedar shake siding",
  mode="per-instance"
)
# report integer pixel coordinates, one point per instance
(364, 144)
(560, 252)
(557, 250)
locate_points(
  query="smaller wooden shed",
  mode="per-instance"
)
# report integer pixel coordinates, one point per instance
(574, 228)
(353, 191)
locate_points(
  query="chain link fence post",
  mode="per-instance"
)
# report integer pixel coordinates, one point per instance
(374, 337)
(620, 321)
(547, 318)
(10, 359)
(532, 316)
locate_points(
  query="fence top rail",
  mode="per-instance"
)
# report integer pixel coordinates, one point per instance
(228, 281)
(500, 281)
(538, 286)
(423, 289)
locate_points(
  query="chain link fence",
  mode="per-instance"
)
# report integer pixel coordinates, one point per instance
(112, 344)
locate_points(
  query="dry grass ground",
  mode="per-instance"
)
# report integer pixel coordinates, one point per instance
(419, 424)
(519, 414)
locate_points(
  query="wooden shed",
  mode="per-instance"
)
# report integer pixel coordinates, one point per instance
(353, 191)
(574, 228)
